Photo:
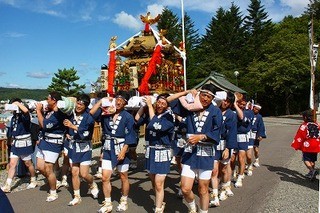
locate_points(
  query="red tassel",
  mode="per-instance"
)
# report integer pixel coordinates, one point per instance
(111, 71)
(154, 61)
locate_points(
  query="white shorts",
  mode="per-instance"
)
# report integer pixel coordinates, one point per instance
(157, 174)
(106, 164)
(191, 173)
(85, 163)
(48, 156)
(23, 157)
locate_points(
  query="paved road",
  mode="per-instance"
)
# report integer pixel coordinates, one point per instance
(277, 186)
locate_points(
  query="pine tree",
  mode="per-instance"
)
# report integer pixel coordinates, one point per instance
(64, 82)
(223, 46)
(170, 22)
(313, 9)
(259, 28)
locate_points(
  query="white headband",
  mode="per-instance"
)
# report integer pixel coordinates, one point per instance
(257, 106)
(207, 91)
(221, 95)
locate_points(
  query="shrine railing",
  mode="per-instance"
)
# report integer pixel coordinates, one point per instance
(4, 152)
(96, 141)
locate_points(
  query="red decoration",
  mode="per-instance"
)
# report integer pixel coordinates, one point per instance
(154, 61)
(111, 71)
(147, 28)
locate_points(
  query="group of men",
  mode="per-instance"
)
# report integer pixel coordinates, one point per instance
(209, 131)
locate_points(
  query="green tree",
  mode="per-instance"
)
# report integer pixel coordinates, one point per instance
(259, 28)
(313, 13)
(313, 9)
(282, 80)
(222, 48)
(170, 22)
(65, 83)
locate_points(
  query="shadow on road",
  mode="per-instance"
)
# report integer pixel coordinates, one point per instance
(293, 176)
(141, 192)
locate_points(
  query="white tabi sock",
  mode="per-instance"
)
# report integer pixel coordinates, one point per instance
(158, 209)
(32, 179)
(192, 205)
(107, 199)
(9, 181)
(203, 211)
(224, 185)
(76, 192)
(53, 192)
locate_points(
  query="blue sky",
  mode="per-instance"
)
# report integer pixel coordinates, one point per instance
(38, 37)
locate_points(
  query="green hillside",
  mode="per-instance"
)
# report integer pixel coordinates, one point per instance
(36, 94)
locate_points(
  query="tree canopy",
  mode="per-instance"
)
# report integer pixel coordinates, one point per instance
(65, 82)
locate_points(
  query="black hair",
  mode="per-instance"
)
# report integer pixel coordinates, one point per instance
(84, 98)
(210, 87)
(14, 100)
(55, 95)
(307, 115)
(163, 95)
(124, 94)
(230, 97)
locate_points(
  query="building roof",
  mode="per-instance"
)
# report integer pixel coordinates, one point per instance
(219, 81)
(142, 46)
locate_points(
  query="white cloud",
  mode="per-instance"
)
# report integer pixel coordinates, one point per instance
(87, 10)
(126, 20)
(268, 3)
(57, 2)
(39, 74)
(103, 18)
(84, 69)
(51, 13)
(13, 35)
(296, 6)
(202, 5)
(276, 9)
(13, 3)
(155, 9)
(11, 85)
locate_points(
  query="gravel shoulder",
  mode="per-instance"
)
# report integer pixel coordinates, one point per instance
(294, 193)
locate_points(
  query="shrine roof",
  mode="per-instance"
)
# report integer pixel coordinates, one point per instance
(219, 81)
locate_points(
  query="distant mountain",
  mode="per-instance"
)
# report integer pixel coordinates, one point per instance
(36, 94)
